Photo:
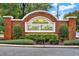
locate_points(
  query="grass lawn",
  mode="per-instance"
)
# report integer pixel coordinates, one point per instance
(71, 42)
(18, 41)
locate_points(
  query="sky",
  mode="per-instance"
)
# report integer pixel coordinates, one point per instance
(64, 8)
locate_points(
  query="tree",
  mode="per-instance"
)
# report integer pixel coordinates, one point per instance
(10, 10)
(29, 7)
(21, 9)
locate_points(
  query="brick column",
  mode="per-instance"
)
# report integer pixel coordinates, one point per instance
(72, 27)
(7, 27)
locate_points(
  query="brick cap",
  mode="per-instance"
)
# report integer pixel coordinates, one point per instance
(8, 17)
(71, 17)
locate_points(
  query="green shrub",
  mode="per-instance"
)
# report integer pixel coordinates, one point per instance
(77, 30)
(18, 41)
(36, 38)
(1, 29)
(71, 42)
(53, 39)
(63, 31)
(1, 21)
(1, 25)
(17, 32)
(41, 38)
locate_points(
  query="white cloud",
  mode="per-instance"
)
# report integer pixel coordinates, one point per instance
(53, 12)
(54, 4)
(63, 7)
(72, 3)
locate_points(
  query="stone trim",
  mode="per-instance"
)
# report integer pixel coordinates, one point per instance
(8, 17)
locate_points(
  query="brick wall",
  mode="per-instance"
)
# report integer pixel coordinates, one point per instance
(9, 24)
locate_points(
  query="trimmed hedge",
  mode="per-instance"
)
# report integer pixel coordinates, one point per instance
(18, 41)
(53, 39)
(43, 38)
(71, 42)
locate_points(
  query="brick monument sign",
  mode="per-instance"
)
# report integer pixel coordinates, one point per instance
(38, 21)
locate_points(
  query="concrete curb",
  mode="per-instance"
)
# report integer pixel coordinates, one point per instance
(39, 46)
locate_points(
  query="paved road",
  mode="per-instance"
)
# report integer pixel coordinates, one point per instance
(24, 51)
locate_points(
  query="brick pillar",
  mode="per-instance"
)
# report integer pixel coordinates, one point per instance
(72, 27)
(7, 27)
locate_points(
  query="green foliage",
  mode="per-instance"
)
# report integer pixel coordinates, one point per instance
(63, 31)
(10, 9)
(77, 30)
(34, 6)
(71, 42)
(77, 26)
(1, 29)
(53, 39)
(36, 37)
(42, 38)
(29, 7)
(1, 25)
(17, 41)
(21, 9)
(17, 32)
(1, 21)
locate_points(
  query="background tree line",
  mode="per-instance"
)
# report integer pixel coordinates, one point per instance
(20, 9)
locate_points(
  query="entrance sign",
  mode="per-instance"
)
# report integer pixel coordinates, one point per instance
(40, 24)
(39, 21)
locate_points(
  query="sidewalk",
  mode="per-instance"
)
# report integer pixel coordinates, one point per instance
(39, 46)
